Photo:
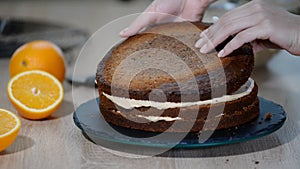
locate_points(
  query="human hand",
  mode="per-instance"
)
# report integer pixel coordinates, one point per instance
(165, 11)
(256, 22)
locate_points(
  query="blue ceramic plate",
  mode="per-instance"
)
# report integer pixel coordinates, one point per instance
(88, 118)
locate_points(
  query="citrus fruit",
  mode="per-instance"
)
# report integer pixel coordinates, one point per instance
(35, 94)
(38, 55)
(10, 126)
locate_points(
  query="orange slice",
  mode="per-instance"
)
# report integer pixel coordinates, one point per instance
(35, 94)
(10, 126)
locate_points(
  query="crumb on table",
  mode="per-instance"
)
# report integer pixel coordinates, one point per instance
(268, 116)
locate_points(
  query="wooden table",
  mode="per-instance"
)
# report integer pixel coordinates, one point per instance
(57, 143)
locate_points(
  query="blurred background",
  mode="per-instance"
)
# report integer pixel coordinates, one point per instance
(88, 14)
(92, 14)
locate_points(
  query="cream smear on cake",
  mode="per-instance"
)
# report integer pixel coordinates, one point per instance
(159, 118)
(132, 103)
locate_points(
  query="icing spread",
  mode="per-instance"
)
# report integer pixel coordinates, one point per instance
(132, 103)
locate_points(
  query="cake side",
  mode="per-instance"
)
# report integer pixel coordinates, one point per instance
(224, 114)
(248, 114)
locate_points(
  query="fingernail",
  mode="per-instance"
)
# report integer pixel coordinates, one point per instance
(215, 19)
(221, 53)
(203, 49)
(123, 31)
(199, 43)
(203, 33)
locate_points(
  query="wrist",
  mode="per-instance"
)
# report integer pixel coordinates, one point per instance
(296, 40)
(208, 2)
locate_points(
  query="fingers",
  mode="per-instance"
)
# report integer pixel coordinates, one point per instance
(230, 24)
(141, 22)
(209, 39)
(161, 11)
(236, 22)
(145, 19)
(257, 47)
(241, 38)
(158, 12)
(194, 10)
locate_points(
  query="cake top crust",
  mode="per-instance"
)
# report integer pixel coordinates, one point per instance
(163, 59)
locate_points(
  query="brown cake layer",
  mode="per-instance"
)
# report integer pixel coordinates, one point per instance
(231, 113)
(168, 54)
(186, 112)
(235, 118)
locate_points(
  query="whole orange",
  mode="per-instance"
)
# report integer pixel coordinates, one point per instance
(38, 55)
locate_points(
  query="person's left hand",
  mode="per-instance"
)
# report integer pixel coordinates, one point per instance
(168, 11)
(256, 22)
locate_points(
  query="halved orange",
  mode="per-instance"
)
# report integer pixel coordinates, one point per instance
(10, 126)
(35, 94)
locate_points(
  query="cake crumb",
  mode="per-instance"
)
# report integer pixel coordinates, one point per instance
(268, 116)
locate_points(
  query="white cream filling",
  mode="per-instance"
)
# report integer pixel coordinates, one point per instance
(159, 118)
(132, 103)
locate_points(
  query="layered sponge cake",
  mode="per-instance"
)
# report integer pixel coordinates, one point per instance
(158, 81)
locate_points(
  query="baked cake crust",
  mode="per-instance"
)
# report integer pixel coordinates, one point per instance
(206, 68)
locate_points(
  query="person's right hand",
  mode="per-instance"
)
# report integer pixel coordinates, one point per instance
(258, 22)
(165, 11)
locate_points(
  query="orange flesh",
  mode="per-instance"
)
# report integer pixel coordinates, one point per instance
(35, 91)
(7, 123)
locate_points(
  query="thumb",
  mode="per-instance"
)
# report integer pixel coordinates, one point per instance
(146, 18)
